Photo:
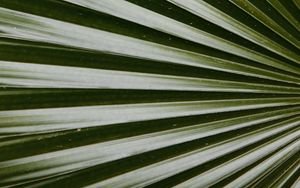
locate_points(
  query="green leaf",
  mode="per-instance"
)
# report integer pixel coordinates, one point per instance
(141, 93)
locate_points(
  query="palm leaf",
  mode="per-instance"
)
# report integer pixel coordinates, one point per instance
(185, 93)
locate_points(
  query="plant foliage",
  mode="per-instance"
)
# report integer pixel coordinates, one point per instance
(158, 93)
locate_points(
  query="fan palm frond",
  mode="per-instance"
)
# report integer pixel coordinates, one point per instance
(158, 93)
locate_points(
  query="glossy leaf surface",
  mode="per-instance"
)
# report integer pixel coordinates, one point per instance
(149, 93)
